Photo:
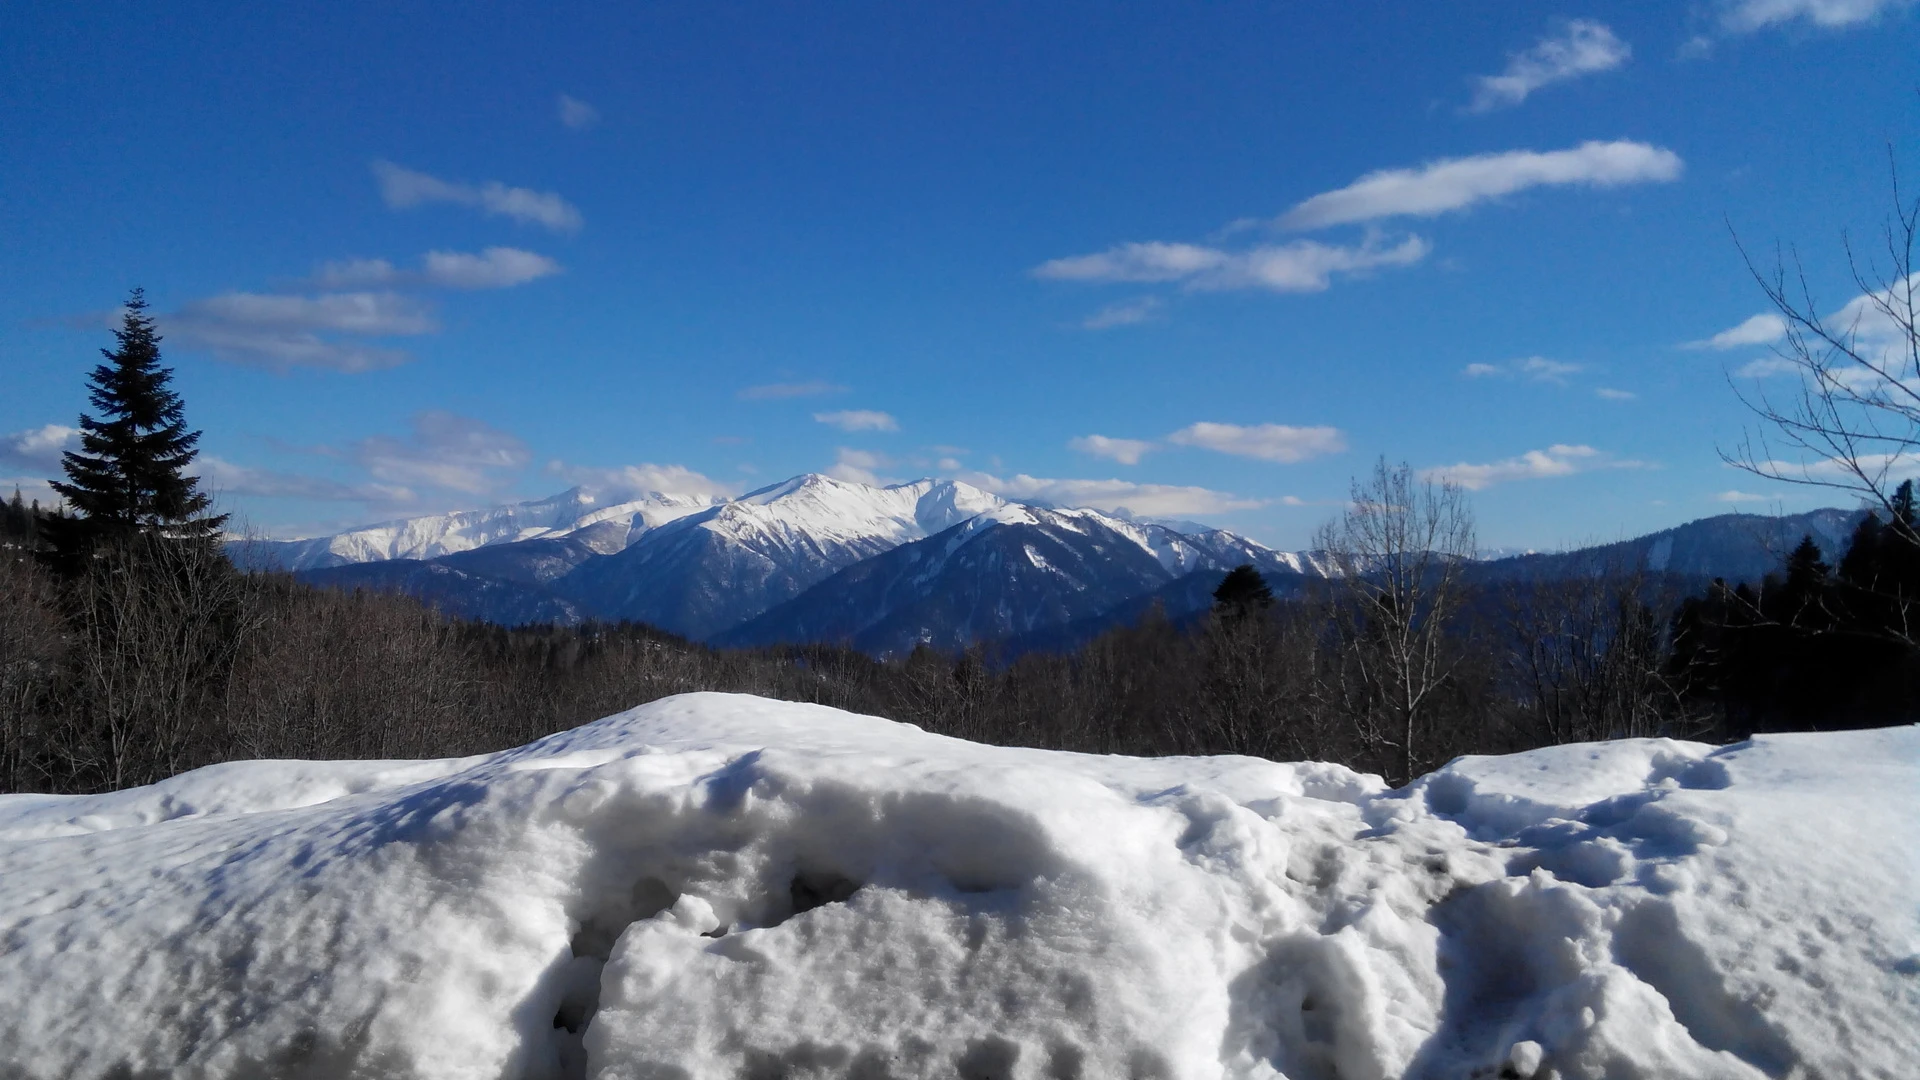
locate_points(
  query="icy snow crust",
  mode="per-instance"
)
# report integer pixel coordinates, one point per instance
(722, 886)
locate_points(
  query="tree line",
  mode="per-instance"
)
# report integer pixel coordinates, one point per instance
(132, 649)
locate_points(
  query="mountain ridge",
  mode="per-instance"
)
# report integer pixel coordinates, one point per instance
(886, 568)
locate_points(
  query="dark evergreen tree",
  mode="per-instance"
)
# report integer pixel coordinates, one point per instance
(129, 478)
(1801, 599)
(1860, 566)
(1242, 591)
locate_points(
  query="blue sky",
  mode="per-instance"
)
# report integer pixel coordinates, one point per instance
(1204, 261)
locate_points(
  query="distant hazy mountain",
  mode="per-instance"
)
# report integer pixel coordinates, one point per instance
(1738, 547)
(576, 512)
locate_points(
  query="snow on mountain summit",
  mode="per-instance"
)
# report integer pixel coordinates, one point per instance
(572, 511)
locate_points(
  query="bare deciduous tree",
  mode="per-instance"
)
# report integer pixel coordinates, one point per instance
(1853, 422)
(1396, 555)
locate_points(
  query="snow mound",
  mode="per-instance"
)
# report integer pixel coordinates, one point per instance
(722, 886)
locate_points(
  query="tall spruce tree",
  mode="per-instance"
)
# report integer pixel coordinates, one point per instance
(128, 480)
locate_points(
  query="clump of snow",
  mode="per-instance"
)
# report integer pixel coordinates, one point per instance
(722, 886)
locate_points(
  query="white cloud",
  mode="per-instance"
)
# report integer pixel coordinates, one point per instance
(1124, 313)
(403, 188)
(1537, 368)
(1741, 497)
(1124, 451)
(577, 114)
(284, 332)
(358, 274)
(1545, 370)
(1150, 500)
(1587, 47)
(493, 268)
(369, 313)
(626, 482)
(1766, 367)
(1560, 459)
(1300, 266)
(1457, 183)
(222, 477)
(1610, 394)
(1862, 322)
(444, 450)
(857, 467)
(775, 391)
(38, 450)
(1267, 442)
(1747, 16)
(1760, 330)
(1150, 261)
(858, 420)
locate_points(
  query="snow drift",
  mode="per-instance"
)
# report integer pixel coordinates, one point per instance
(721, 886)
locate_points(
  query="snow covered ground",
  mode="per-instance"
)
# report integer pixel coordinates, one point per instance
(722, 886)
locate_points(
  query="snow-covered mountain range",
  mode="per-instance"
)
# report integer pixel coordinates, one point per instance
(702, 567)
(886, 568)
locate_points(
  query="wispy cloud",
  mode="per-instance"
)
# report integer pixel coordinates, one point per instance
(1536, 368)
(1764, 329)
(1265, 442)
(859, 467)
(38, 450)
(283, 332)
(1298, 267)
(403, 188)
(1561, 459)
(858, 420)
(1124, 451)
(1586, 47)
(577, 114)
(222, 477)
(1747, 16)
(444, 450)
(776, 391)
(493, 268)
(1608, 393)
(1124, 313)
(1734, 496)
(625, 482)
(1151, 500)
(1863, 322)
(1451, 184)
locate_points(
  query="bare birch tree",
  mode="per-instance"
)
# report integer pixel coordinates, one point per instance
(1396, 556)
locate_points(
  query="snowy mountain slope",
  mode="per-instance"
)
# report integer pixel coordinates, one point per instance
(715, 569)
(720, 886)
(1011, 572)
(576, 511)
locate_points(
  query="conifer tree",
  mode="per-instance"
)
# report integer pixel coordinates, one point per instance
(1803, 594)
(1242, 591)
(128, 480)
